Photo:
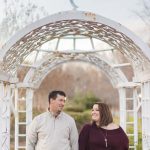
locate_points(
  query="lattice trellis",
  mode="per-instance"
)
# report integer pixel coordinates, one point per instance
(35, 38)
(72, 23)
(40, 72)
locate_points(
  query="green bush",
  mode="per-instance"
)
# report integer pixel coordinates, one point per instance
(86, 100)
(74, 108)
(80, 118)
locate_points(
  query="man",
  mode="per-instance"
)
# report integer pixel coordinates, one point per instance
(54, 129)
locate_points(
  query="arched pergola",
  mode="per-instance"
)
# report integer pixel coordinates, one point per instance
(74, 25)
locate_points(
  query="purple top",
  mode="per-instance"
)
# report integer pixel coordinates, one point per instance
(93, 138)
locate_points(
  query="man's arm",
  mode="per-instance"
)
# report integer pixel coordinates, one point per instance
(74, 136)
(32, 135)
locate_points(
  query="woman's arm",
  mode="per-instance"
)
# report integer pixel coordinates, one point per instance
(84, 137)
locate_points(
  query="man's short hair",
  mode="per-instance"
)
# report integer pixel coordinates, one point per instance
(53, 94)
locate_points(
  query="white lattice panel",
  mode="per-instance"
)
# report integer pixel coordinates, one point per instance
(74, 23)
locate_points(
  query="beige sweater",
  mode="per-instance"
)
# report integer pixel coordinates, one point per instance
(49, 133)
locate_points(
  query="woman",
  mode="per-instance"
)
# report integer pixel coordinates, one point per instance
(102, 134)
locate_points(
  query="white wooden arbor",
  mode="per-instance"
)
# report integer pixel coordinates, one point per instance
(73, 25)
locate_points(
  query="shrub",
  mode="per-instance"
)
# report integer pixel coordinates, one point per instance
(85, 101)
(80, 118)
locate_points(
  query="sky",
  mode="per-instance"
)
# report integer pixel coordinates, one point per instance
(122, 11)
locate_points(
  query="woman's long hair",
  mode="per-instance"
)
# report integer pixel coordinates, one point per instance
(105, 114)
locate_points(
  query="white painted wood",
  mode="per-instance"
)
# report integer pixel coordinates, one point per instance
(76, 51)
(7, 78)
(78, 15)
(83, 23)
(129, 44)
(122, 106)
(135, 115)
(126, 113)
(1, 105)
(116, 76)
(29, 99)
(16, 119)
(121, 65)
(8, 114)
(146, 115)
(24, 85)
(4, 116)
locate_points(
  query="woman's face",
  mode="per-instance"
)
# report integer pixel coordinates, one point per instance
(95, 113)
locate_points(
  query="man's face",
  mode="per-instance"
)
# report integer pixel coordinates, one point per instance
(57, 105)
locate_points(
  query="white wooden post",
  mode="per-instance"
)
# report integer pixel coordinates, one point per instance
(23, 107)
(146, 115)
(7, 101)
(29, 100)
(1, 106)
(4, 116)
(135, 108)
(16, 119)
(122, 103)
(129, 108)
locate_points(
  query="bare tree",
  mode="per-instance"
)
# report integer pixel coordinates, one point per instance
(17, 14)
(144, 15)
